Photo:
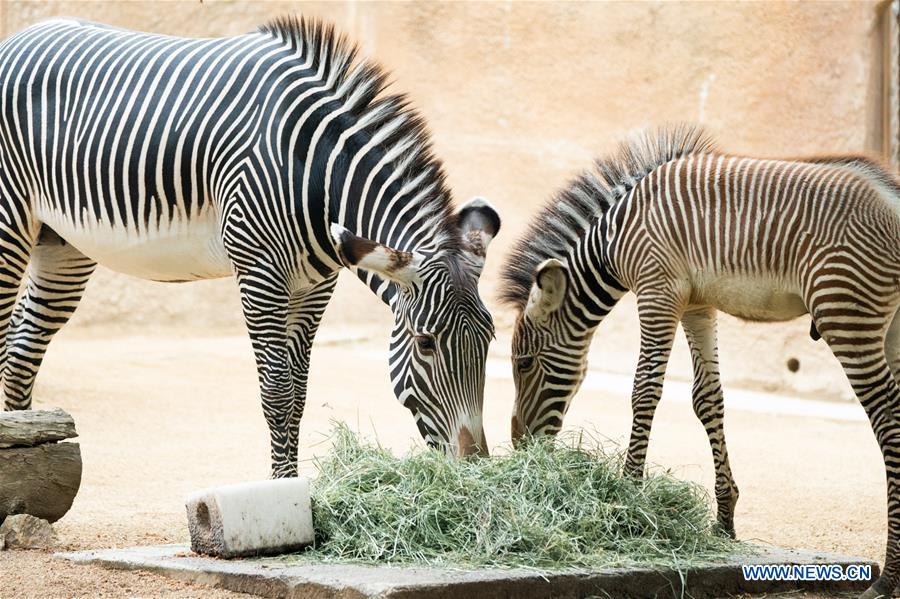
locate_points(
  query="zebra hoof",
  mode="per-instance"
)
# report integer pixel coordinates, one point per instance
(725, 530)
(879, 589)
(284, 471)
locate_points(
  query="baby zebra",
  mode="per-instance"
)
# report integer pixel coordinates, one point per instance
(691, 230)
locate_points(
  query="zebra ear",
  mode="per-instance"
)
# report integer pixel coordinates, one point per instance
(478, 224)
(548, 290)
(388, 263)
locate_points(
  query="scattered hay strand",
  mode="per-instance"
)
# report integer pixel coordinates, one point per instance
(557, 503)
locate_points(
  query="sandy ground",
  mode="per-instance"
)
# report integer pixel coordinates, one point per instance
(164, 414)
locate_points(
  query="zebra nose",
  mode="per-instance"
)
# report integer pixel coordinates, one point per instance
(467, 445)
(517, 431)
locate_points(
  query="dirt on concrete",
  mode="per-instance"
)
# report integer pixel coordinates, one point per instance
(165, 414)
(276, 578)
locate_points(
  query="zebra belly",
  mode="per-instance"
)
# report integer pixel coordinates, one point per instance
(750, 298)
(176, 252)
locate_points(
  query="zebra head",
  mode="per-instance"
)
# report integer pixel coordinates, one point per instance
(549, 355)
(442, 329)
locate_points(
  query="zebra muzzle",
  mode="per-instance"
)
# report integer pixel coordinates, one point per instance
(467, 445)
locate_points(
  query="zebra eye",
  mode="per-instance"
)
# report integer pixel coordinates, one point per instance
(425, 342)
(524, 363)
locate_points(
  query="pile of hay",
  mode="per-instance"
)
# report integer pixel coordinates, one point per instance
(553, 504)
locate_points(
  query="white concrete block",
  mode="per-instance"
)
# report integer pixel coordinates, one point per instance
(255, 518)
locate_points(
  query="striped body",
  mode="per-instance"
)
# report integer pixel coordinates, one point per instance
(273, 157)
(750, 237)
(135, 197)
(133, 147)
(691, 231)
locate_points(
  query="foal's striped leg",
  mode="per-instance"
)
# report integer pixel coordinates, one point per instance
(858, 344)
(304, 315)
(659, 316)
(709, 406)
(57, 277)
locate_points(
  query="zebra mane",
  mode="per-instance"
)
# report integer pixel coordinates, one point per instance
(390, 118)
(570, 213)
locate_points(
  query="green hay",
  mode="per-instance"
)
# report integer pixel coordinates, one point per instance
(554, 504)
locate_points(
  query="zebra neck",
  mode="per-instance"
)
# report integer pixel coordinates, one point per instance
(595, 289)
(385, 290)
(368, 189)
(387, 214)
(390, 214)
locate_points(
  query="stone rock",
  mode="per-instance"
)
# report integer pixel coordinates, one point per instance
(41, 481)
(23, 531)
(33, 427)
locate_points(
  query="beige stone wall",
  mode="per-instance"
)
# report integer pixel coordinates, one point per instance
(520, 96)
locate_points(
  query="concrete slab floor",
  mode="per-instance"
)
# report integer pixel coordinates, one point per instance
(269, 577)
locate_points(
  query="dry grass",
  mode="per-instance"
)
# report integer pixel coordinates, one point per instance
(554, 504)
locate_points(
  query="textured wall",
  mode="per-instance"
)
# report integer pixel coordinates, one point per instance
(520, 96)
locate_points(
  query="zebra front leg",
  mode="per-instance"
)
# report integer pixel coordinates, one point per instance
(659, 321)
(57, 277)
(304, 316)
(265, 305)
(709, 406)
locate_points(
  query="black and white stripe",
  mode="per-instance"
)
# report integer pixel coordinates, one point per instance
(690, 230)
(268, 157)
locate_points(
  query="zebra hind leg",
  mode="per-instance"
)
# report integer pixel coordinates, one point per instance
(57, 277)
(304, 315)
(709, 406)
(861, 352)
(659, 317)
(16, 244)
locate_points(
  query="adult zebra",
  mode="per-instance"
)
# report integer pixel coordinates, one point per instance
(270, 156)
(690, 230)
